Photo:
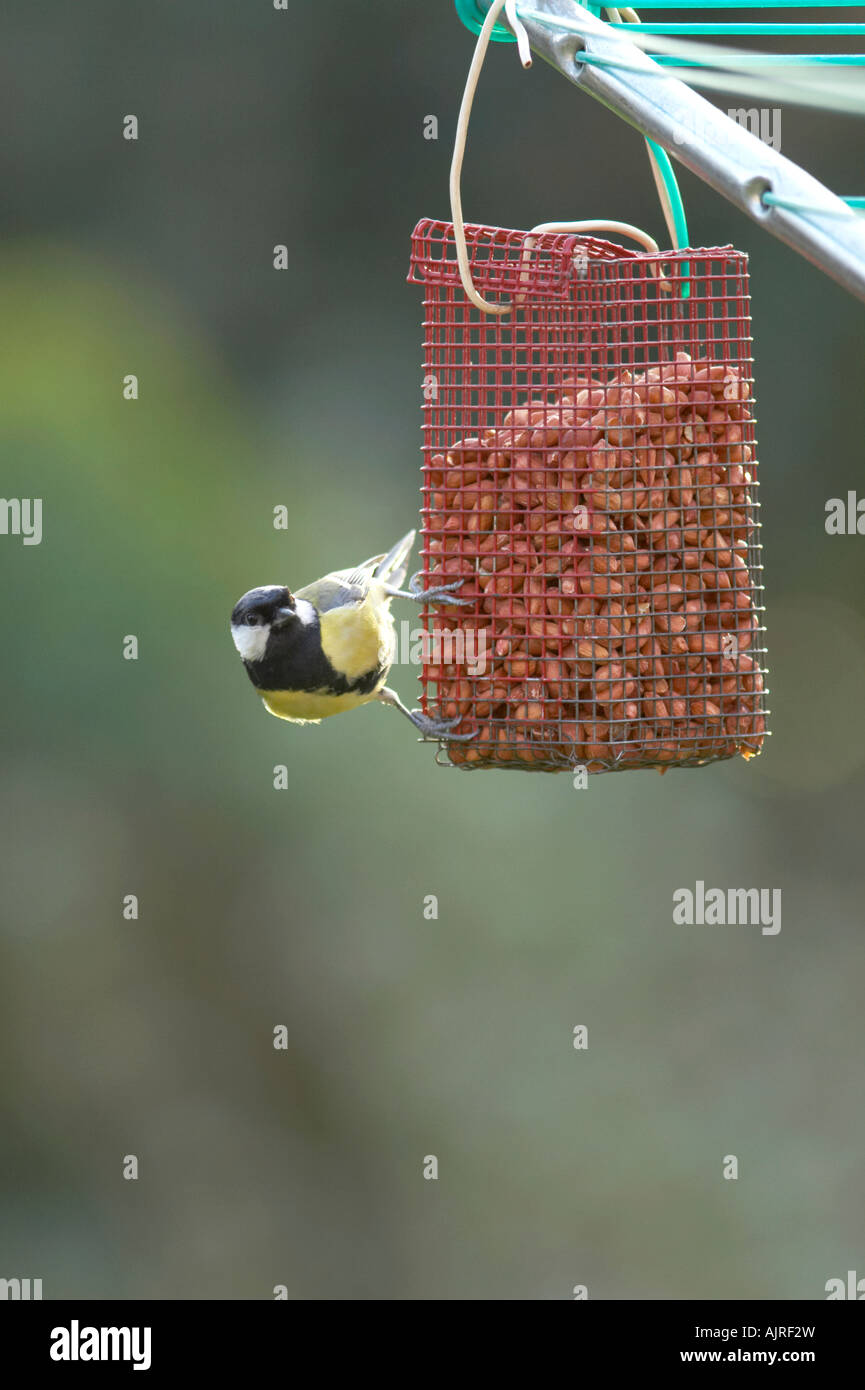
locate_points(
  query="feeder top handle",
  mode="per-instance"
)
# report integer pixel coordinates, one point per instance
(477, 63)
(486, 24)
(460, 138)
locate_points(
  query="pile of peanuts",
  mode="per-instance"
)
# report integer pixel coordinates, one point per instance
(602, 536)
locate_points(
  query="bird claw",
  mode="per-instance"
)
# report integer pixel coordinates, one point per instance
(439, 593)
(438, 728)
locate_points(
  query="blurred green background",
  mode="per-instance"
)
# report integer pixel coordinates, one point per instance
(304, 907)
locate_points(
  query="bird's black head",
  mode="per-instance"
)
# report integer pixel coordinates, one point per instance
(257, 615)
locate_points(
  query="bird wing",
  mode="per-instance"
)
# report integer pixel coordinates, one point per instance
(365, 565)
(341, 589)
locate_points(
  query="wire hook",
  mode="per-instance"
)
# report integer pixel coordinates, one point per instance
(477, 63)
(523, 47)
(525, 55)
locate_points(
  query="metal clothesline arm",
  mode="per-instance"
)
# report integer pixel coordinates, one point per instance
(801, 211)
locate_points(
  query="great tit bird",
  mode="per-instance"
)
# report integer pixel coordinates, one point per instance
(329, 646)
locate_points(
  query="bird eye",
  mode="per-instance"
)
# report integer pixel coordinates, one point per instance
(251, 620)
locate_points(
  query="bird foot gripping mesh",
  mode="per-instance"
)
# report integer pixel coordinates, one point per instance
(589, 476)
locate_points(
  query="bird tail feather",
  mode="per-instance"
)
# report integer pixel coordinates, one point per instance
(393, 567)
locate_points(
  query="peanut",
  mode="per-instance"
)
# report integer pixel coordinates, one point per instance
(603, 536)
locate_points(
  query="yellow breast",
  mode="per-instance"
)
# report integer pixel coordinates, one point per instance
(305, 707)
(358, 638)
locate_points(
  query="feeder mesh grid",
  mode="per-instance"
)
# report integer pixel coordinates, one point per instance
(589, 474)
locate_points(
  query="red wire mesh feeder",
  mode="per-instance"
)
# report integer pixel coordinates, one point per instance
(589, 475)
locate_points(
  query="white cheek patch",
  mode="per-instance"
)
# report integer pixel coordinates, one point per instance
(305, 611)
(250, 641)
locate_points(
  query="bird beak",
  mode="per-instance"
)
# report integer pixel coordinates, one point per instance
(282, 616)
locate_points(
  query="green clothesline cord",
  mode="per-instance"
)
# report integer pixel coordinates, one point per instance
(742, 5)
(680, 221)
(472, 16)
(764, 60)
(744, 61)
(656, 28)
(773, 201)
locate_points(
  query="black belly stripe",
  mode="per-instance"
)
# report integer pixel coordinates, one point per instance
(295, 660)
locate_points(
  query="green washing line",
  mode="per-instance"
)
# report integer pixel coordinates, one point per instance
(680, 222)
(670, 183)
(762, 60)
(651, 27)
(472, 15)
